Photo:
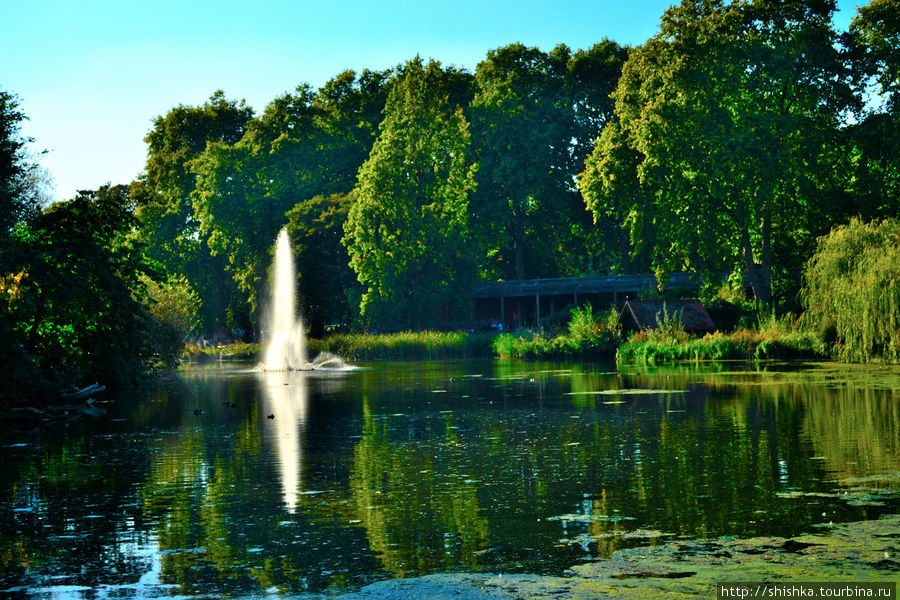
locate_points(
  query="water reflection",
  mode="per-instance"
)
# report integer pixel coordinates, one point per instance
(285, 404)
(414, 468)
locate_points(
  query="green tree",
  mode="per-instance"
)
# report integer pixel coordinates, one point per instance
(875, 33)
(169, 225)
(852, 284)
(731, 111)
(75, 308)
(535, 115)
(16, 198)
(407, 232)
(873, 143)
(305, 145)
(327, 285)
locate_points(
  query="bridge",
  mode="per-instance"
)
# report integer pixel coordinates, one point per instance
(523, 302)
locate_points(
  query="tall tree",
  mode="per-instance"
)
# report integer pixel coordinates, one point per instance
(874, 140)
(407, 231)
(534, 117)
(731, 110)
(169, 224)
(77, 308)
(16, 199)
(327, 286)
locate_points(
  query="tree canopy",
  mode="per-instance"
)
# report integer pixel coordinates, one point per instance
(407, 229)
(729, 114)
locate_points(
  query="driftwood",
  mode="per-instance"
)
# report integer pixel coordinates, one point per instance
(69, 409)
(55, 412)
(94, 388)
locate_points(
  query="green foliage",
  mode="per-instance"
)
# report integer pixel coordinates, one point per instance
(174, 308)
(407, 232)
(875, 32)
(18, 200)
(306, 145)
(169, 225)
(535, 115)
(316, 227)
(770, 337)
(853, 285)
(726, 121)
(74, 305)
(587, 335)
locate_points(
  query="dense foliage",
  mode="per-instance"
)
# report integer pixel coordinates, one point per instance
(407, 231)
(74, 307)
(853, 287)
(722, 151)
(725, 146)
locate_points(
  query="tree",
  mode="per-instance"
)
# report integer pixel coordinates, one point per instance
(169, 225)
(326, 282)
(17, 200)
(305, 145)
(535, 115)
(731, 111)
(875, 33)
(76, 309)
(853, 286)
(873, 143)
(407, 231)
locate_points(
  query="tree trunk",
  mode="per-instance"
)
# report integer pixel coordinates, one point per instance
(760, 274)
(625, 250)
(519, 242)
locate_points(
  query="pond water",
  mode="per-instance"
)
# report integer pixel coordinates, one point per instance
(222, 481)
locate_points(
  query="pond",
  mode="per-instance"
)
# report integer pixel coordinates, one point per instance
(224, 481)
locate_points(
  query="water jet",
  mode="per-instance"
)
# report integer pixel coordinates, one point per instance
(286, 344)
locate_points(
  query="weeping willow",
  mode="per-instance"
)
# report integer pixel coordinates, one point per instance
(852, 284)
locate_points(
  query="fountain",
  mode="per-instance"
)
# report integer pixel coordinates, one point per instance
(286, 346)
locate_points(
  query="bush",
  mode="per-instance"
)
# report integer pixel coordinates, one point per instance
(587, 334)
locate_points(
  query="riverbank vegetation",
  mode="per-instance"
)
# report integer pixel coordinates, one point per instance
(744, 142)
(770, 338)
(406, 345)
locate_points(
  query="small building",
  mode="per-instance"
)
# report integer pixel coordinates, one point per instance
(646, 314)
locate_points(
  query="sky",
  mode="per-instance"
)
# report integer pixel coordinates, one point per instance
(92, 75)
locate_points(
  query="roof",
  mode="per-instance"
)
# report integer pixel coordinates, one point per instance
(576, 285)
(642, 314)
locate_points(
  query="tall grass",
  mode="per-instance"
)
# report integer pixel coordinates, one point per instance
(770, 337)
(407, 345)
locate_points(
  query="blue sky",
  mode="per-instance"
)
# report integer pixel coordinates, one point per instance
(91, 75)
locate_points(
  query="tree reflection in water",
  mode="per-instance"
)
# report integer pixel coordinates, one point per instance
(411, 468)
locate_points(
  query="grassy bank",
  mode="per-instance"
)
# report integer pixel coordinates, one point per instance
(406, 345)
(233, 351)
(586, 335)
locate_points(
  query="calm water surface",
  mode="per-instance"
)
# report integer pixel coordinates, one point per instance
(403, 469)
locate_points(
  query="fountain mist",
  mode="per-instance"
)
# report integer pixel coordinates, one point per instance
(286, 347)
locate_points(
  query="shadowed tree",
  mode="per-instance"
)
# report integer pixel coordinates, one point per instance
(534, 117)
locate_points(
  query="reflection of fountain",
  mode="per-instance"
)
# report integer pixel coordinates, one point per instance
(285, 397)
(286, 347)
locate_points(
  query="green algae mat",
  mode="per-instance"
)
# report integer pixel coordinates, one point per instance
(866, 551)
